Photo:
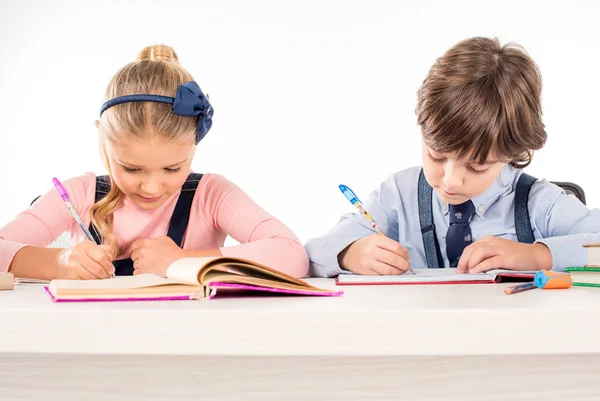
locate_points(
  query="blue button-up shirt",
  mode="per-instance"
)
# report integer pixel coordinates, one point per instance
(558, 220)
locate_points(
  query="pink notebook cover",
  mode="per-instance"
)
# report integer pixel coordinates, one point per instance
(215, 286)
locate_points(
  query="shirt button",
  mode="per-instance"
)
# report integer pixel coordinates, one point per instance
(480, 208)
(445, 207)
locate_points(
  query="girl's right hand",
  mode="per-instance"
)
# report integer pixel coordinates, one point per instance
(86, 261)
(375, 255)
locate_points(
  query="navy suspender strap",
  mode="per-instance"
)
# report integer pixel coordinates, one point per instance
(181, 214)
(102, 189)
(522, 221)
(430, 242)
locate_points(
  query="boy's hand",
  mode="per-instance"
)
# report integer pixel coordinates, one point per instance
(492, 252)
(154, 255)
(375, 255)
(86, 261)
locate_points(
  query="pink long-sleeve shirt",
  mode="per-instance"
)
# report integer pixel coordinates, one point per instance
(219, 208)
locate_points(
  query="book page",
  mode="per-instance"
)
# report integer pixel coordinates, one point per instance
(420, 276)
(251, 271)
(186, 270)
(193, 270)
(119, 282)
(199, 270)
(506, 272)
(583, 275)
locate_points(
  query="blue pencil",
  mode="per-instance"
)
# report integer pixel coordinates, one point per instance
(520, 288)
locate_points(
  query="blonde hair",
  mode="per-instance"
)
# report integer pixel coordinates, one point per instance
(156, 71)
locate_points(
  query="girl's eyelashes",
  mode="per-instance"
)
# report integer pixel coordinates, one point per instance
(135, 170)
(130, 170)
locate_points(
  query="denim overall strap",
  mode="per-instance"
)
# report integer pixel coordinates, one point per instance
(430, 242)
(522, 221)
(102, 189)
(181, 214)
(177, 225)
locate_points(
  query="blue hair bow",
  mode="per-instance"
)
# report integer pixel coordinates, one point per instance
(188, 101)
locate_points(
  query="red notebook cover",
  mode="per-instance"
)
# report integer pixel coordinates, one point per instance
(436, 276)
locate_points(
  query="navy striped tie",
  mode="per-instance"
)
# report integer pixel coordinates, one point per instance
(459, 232)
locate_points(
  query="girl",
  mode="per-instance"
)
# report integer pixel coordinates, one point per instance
(150, 210)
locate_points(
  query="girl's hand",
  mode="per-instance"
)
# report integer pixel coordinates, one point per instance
(375, 255)
(492, 252)
(86, 261)
(154, 255)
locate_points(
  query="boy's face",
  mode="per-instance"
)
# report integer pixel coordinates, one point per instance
(149, 171)
(457, 181)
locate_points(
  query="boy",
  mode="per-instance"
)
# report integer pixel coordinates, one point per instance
(470, 206)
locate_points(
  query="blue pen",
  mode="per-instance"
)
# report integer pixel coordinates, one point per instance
(351, 196)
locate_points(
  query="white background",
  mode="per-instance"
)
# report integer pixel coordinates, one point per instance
(307, 94)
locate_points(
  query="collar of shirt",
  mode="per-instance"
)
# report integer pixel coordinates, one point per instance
(501, 185)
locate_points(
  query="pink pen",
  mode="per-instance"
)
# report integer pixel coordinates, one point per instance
(65, 197)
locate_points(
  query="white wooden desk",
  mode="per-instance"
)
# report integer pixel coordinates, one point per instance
(467, 342)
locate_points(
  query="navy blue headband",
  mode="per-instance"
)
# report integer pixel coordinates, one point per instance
(188, 101)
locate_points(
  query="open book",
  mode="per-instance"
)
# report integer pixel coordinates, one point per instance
(438, 276)
(187, 278)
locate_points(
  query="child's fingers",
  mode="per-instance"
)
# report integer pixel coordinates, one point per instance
(100, 255)
(384, 269)
(397, 262)
(138, 244)
(392, 246)
(136, 254)
(80, 273)
(85, 267)
(108, 250)
(463, 261)
(495, 262)
(370, 271)
(98, 263)
(473, 255)
(386, 263)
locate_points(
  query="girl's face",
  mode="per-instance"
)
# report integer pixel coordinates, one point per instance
(149, 171)
(457, 181)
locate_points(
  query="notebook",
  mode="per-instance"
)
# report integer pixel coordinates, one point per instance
(584, 276)
(187, 278)
(22, 280)
(593, 251)
(438, 276)
(7, 281)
